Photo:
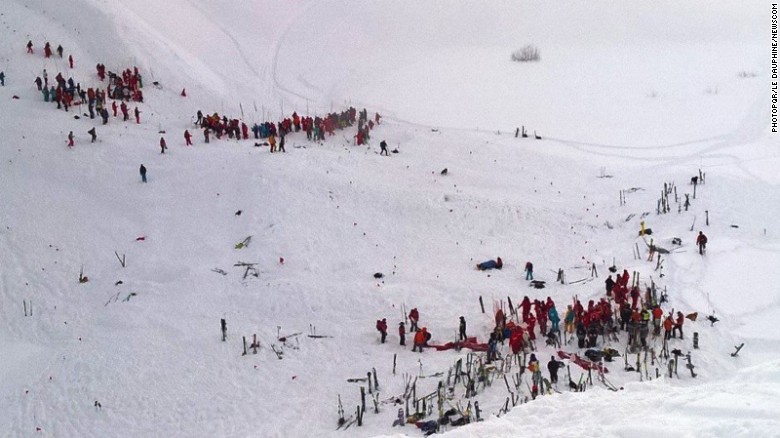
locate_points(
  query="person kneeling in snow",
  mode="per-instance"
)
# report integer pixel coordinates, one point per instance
(491, 264)
(421, 339)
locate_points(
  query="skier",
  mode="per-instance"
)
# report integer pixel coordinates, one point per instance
(701, 240)
(634, 293)
(462, 329)
(568, 320)
(93, 133)
(125, 112)
(644, 330)
(678, 325)
(414, 316)
(382, 327)
(526, 307)
(29, 47)
(536, 372)
(581, 332)
(420, 339)
(552, 367)
(383, 146)
(492, 348)
(272, 143)
(668, 325)
(529, 271)
(402, 333)
(609, 283)
(137, 114)
(187, 137)
(658, 315)
(70, 139)
(555, 319)
(143, 173)
(163, 146)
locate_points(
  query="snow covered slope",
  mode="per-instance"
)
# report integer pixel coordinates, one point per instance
(646, 93)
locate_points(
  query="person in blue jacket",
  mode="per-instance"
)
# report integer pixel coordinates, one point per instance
(491, 264)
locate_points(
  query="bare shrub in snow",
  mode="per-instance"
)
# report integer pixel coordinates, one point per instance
(526, 54)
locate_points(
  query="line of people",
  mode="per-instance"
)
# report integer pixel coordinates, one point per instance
(47, 51)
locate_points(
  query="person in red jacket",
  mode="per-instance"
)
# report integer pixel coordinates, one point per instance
(114, 106)
(658, 315)
(531, 321)
(402, 332)
(187, 137)
(414, 316)
(47, 50)
(678, 325)
(381, 326)
(245, 130)
(163, 146)
(421, 339)
(624, 278)
(668, 324)
(634, 297)
(526, 305)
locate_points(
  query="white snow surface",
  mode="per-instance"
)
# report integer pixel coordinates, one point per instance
(646, 93)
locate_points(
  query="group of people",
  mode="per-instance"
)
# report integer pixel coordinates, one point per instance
(48, 53)
(421, 335)
(316, 128)
(621, 309)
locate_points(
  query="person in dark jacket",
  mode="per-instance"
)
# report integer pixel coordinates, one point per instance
(701, 240)
(609, 283)
(143, 173)
(402, 333)
(552, 367)
(462, 329)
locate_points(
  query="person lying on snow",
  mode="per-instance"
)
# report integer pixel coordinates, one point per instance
(491, 264)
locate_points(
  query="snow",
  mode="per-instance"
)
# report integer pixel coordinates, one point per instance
(647, 93)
